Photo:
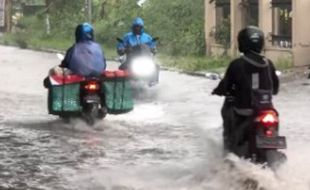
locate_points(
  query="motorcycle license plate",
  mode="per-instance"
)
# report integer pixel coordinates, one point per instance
(92, 99)
(271, 142)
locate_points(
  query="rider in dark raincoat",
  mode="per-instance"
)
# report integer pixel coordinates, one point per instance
(247, 76)
(136, 37)
(85, 57)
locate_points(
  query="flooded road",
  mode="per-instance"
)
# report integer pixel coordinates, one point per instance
(171, 140)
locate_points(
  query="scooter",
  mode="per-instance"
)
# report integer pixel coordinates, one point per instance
(139, 62)
(261, 141)
(71, 95)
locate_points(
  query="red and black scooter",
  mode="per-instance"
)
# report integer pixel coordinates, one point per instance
(264, 139)
(71, 96)
(92, 100)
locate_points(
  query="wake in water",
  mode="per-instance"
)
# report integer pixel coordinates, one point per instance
(213, 172)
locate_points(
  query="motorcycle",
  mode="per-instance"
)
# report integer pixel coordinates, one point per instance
(262, 141)
(91, 98)
(265, 141)
(92, 103)
(71, 95)
(139, 62)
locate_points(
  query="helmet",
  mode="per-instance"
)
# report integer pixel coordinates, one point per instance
(250, 39)
(84, 32)
(138, 22)
(137, 26)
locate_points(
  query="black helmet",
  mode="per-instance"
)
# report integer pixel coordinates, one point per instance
(251, 38)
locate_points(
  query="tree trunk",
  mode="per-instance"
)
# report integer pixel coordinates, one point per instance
(88, 5)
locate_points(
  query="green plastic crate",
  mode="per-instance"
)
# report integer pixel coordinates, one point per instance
(118, 95)
(64, 98)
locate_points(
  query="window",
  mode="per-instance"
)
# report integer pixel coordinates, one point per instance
(222, 10)
(251, 12)
(222, 31)
(282, 23)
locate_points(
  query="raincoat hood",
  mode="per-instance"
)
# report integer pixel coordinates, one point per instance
(138, 22)
(84, 32)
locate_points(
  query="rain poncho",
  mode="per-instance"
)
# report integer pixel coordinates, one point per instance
(85, 57)
(130, 39)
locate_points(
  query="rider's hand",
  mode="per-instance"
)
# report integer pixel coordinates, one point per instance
(213, 92)
(128, 50)
(121, 51)
(154, 50)
(216, 92)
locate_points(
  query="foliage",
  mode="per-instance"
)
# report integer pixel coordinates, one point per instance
(179, 24)
(65, 15)
(284, 63)
(196, 63)
(115, 19)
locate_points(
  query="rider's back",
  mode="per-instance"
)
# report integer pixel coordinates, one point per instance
(249, 73)
(87, 59)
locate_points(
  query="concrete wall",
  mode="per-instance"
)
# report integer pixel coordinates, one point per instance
(265, 20)
(210, 17)
(300, 51)
(237, 23)
(301, 32)
(275, 54)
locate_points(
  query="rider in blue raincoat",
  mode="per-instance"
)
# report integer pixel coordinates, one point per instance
(85, 57)
(136, 37)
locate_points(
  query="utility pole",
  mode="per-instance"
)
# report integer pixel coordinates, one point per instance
(8, 15)
(88, 10)
(47, 18)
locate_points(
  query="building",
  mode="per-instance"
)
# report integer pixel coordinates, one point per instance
(284, 22)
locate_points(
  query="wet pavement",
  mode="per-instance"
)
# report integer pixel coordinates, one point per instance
(171, 140)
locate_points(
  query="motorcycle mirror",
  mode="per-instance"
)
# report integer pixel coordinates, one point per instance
(60, 56)
(119, 40)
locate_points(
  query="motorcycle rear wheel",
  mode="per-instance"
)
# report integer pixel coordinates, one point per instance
(274, 158)
(91, 113)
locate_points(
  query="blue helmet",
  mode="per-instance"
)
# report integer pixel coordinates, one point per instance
(84, 32)
(138, 22)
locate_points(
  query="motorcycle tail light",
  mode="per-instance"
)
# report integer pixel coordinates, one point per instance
(92, 86)
(268, 118)
(269, 133)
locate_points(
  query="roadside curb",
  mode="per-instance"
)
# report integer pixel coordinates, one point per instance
(202, 74)
(294, 74)
(46, 50)
(59, 51)
(286, 76)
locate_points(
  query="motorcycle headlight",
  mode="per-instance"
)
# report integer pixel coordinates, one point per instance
(143, 66)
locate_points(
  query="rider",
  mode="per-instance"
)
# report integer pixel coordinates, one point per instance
(85, 57)
(136, 37)
(247, 79)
